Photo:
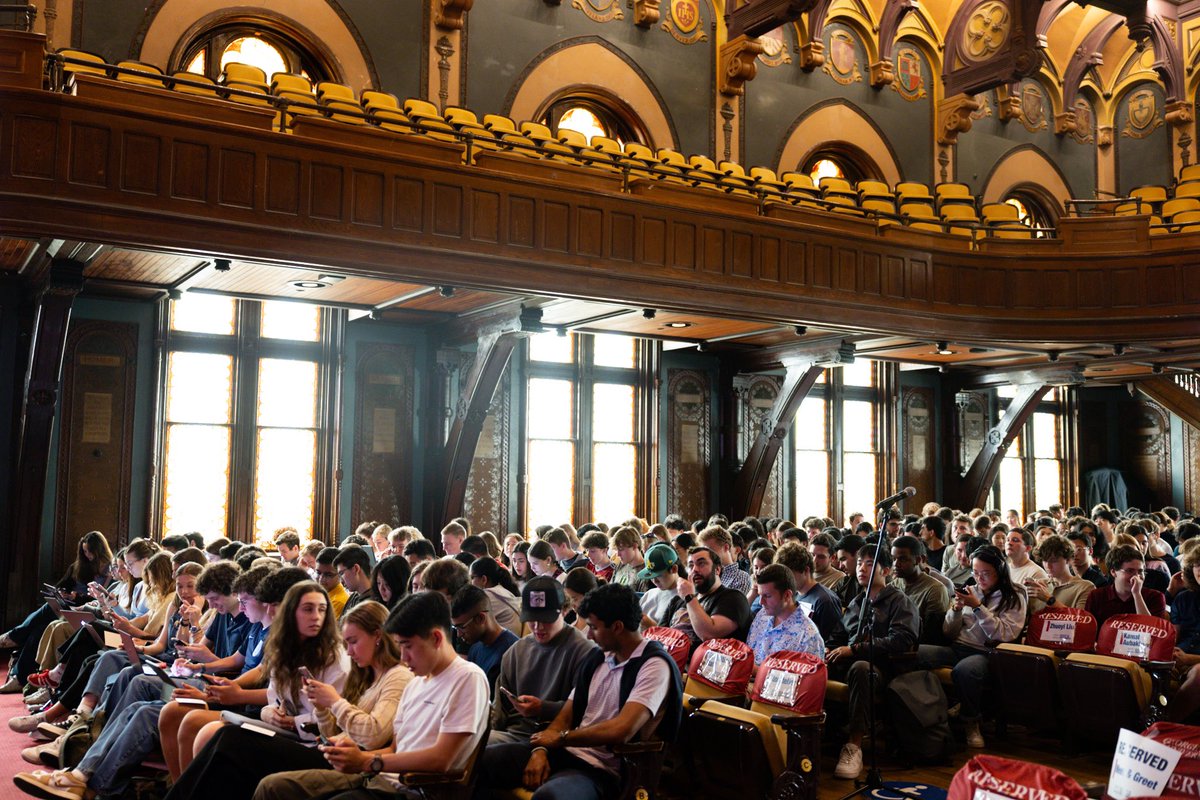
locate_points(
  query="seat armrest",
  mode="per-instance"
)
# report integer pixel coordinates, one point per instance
(697, 702)
(430, 778)
(1157, 666)
(791, 721)
(637, 748)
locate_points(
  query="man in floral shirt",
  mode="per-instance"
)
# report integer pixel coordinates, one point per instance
(781, 623)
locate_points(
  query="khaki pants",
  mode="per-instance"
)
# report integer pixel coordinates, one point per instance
(313, 784)
(55, 636)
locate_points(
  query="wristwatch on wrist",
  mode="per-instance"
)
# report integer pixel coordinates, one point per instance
(375, 766)
(689, 598)
(562, 736)
(1050, 602)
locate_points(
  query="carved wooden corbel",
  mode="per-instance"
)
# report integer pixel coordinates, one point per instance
(883, 73)
(1008, 103)
(450, 13)
(812, 55)
(738, 64)
(954, 117)
(1179, 114)
(645, 12)
(1104, 136)
(1064, 123)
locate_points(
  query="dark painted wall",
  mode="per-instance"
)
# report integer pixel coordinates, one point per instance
(780, 95)
(1143, 148)
(499, 52)
(990, 140)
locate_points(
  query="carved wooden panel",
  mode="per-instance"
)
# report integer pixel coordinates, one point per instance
(400, 206)
(1146, 453)
(95, 436)
(488, 486)
(1191, 467)
(383, 434)
(756, 397)
(918, 443)
(973, 425)
(689, 452)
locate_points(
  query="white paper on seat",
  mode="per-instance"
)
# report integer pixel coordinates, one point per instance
(715, 666)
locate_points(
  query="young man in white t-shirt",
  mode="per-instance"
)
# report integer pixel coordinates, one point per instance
(661, 560)
(442, 714)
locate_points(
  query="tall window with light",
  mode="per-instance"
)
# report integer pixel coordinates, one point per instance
(836, 454)
(1031, 473)
(243, 417)
(582, 441)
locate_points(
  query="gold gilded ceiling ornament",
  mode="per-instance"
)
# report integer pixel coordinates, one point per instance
(600, 10)
(842, 64)
(1142, 117)
(685, 24)
(910, 80)
(987, 30)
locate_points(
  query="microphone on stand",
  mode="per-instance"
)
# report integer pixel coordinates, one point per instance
(907, 491)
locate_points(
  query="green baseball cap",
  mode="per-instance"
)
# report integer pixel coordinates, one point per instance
(659, 558)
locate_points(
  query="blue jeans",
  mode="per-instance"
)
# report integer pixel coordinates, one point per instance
(503, 767)
(107, 666)
(27, 635)
(132, 686)
(123, 744)
(971, 674)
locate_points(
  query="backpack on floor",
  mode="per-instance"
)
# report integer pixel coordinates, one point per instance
(917, 709)
(78, 738)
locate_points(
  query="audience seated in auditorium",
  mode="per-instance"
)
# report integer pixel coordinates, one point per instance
(1126, 594)
(1062, 587)
(781, 623)
(441, 717)
(502, 591)
(718, 541)
(823, 546)
(629, 688)
(703, 607)
(1019, 547)
(822, 605)
(929, 595)
(478, 631)
(353, 565)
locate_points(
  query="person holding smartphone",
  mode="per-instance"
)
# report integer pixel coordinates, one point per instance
(360, 715)
(993, 610)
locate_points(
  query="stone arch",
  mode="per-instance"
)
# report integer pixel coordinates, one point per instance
(1013, 171)
(590, 63)
(815, 130)
(168, 25)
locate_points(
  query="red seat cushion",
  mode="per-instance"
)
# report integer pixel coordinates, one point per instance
(1137, 638)
(724, 664)
(986, 777)
(1064, 628)
(678, 643)
(791, 680)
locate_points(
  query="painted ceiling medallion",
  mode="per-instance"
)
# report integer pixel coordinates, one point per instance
(842, 64)
(1143, 116)
(987, 30)
(600, 10)
(1033, 108)
(910, 82)
(684, 23)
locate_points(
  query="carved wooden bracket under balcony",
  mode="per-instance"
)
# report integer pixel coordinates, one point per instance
(812, 55)
(1179, 114)
(954, 117)
(450, 13)
(756, 17)
(1008, 103)
(1104, 136)
(645, 12)
(738, 64)
(1064, 123)
(883, 73)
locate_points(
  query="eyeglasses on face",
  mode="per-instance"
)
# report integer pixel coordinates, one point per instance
(1133, 573)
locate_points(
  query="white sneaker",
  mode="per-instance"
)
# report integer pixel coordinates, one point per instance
(38, 698)
(850, 762)
(974, 737)
(12, 686)
(27, 723)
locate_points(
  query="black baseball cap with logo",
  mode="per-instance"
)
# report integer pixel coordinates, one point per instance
(542, 600)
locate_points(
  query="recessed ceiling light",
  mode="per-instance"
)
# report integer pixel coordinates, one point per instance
(678, 325)
(309, 284)
(943, 349)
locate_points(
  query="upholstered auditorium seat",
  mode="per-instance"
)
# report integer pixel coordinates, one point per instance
(153, 75)
(338, 103)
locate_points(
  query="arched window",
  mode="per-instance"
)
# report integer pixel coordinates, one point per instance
(1031, 212)
(249, 43)
(593, 115)
(835, 164)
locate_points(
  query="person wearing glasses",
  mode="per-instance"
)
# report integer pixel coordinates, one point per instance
(1126, 594)
(477, 629)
